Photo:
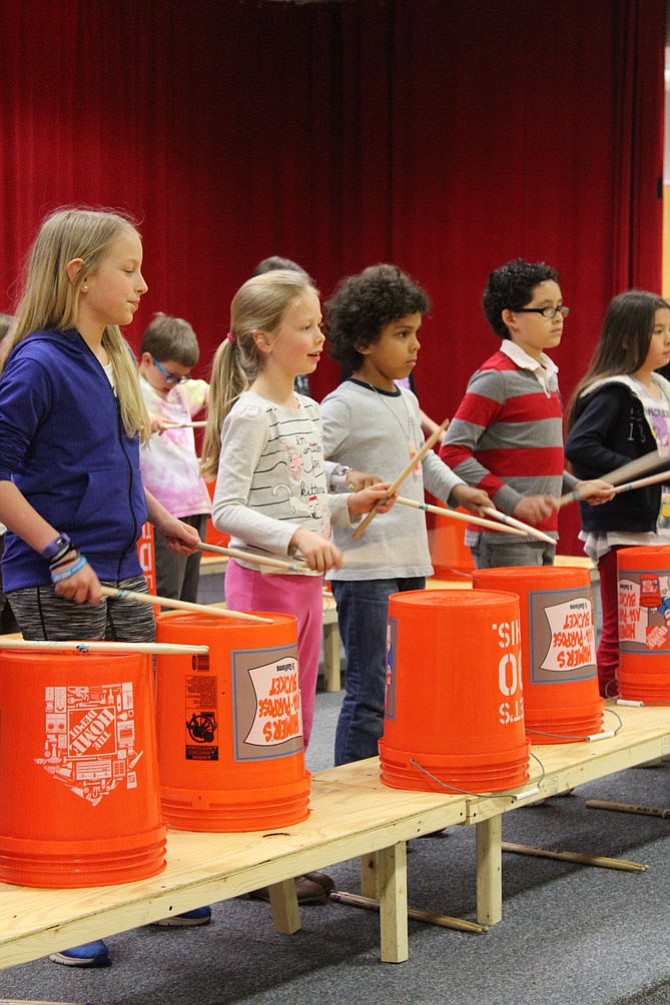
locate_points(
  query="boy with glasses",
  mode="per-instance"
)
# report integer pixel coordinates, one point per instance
(507, 434)
(169, 463)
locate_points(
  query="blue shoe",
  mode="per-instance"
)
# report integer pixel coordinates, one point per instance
(91, 954)
(189, 919)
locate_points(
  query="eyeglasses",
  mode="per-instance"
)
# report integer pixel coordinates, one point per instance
(170, 378)
(546, 312)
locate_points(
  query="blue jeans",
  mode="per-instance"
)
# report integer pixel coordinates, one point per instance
(362, 611)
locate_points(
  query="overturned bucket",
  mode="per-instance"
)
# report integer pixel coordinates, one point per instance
(79, 795)
(560, 679)
(230, 739)
(643, 575)
(454, 701)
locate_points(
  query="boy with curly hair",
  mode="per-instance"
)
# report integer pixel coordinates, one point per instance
(370, 423)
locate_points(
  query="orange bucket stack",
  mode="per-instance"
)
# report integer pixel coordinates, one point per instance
(230, 740)
(644, 615)
(79, 795)
(560, 681)
(454, 701)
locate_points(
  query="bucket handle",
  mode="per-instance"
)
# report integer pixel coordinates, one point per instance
(605, 735)
(514, 796)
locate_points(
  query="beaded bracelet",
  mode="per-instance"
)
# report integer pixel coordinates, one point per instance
(56, 577)
(65, 555)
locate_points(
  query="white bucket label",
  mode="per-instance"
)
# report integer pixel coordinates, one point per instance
(89, 738)
(562, 635)
(644, 611)
(267, 710)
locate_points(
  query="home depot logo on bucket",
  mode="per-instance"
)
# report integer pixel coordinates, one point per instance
(89, 738)
(644, 609)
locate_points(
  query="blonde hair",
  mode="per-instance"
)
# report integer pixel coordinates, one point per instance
(50, 299)
(258, 306)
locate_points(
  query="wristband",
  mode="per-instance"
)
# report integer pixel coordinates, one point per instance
(338, 478)
(56, 577)
(57, 548)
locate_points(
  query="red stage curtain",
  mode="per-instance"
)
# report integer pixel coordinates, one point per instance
(444, 136)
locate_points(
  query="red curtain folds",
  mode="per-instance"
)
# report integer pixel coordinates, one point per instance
(446, 137)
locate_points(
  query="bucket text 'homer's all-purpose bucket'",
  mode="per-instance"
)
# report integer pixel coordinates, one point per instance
(454, 700)
(230, 739)
(644, 623)
(79, 795)
(560, 681)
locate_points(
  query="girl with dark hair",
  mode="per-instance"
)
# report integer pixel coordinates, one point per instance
(620, 410)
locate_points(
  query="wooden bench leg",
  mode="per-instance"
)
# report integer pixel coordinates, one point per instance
(369, 876)
(489, 871)
(332, 677)
(284, 904)
(392, 896)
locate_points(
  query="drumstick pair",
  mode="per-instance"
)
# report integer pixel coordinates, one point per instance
(625, 474)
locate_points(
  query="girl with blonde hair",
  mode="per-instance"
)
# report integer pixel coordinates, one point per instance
(71, 423)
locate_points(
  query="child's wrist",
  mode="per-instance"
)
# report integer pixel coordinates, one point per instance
(63, 570)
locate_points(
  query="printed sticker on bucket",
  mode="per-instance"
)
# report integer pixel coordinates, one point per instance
(89, 738)
(644, 612)
(267, 713)
(562, 632)
(201, 714)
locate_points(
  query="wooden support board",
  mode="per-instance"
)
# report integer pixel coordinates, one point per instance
(352, 814)
(645, 735)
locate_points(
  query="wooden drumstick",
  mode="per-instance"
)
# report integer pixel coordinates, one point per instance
(182, 605)
(520, 525)
(151, 648)
(625, 473)
(405, 473)
(277, 563)
(464, 517)
(661, 476)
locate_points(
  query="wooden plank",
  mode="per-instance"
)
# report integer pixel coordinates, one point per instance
(352, 814)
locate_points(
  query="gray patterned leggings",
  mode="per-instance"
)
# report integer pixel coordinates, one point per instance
(44, 616)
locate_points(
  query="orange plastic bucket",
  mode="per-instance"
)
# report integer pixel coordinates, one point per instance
(450, 556)
(212, 535)
(454, 702)
(79, 795)
(644, 646)
(230, 740)
(560, 679)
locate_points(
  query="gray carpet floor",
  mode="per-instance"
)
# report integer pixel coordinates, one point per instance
(570, 934)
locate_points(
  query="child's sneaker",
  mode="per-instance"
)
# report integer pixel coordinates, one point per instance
(189, 919)
(90, 954)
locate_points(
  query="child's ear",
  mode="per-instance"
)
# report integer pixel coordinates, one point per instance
(262, 341)
(73, 268)
(363, 350)
(145, 358)
(508, 319)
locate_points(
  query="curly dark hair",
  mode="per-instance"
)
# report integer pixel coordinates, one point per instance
(362, 305)
(510, 288)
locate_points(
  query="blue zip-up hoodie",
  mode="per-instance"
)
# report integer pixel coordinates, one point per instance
(63, 443)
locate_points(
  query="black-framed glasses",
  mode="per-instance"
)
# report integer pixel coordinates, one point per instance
(170, 378)
(546, 312)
